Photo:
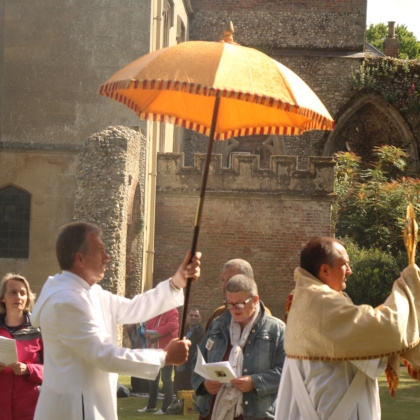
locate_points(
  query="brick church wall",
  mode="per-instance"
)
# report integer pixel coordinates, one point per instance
(328, 77)
(283, 23)
(262, 216)
(318, 40)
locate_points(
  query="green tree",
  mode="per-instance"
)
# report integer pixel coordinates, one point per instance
(409, 45)
(372, 199)
(374, 272)
(369, 216)
(376, 34)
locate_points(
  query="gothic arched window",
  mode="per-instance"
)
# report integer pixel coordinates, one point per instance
(15, 211)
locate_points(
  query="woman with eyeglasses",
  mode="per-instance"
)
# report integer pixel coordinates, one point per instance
(252, 342)
(19, 381)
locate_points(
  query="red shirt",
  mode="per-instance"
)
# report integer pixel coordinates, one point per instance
(19, 393)
(167, 325)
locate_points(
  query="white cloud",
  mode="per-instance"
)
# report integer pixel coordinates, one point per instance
(403, 12)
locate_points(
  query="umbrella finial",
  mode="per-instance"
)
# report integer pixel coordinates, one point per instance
(228, 34)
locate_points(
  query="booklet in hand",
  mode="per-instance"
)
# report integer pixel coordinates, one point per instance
(219, 371)
(8, 351)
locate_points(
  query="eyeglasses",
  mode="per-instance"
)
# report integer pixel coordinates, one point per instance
(237, 305)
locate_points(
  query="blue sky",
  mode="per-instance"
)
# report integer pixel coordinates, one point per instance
(405, 12)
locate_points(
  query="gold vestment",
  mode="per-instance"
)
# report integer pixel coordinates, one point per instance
(325, 325)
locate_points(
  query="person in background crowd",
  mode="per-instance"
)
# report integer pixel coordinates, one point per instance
(138, 340)
(252, 342)
(230, 269)
(194, 333)
(159, 332)
(19, 381)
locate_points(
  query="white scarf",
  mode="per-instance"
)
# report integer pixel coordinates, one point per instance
(228, 397)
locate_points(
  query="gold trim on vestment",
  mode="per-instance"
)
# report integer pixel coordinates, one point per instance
(325, 326)
(348, 359)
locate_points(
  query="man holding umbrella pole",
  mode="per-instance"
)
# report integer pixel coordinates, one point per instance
(78, 320)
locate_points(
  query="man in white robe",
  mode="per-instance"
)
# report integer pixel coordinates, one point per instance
(335, 350)
(78, 320)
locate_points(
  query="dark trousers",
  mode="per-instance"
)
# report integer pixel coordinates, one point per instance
(166, 374)
(139, 385)
(182, 380)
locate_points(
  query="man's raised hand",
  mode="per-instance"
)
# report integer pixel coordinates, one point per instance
(187, 270)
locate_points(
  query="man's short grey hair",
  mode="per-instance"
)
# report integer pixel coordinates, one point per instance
(73, 238)
(242, 283)
(243, 267)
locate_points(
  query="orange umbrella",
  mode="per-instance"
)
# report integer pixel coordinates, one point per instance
(179, 85)
(220, 89)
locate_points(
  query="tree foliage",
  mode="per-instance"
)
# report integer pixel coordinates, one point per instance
(372, 199)
(409, 44)
(369, 216)
(374, 272)
(376, 34)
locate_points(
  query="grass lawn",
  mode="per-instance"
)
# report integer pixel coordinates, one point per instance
(127, 407)
(405, 405)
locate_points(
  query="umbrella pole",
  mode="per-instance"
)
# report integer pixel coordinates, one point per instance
(199, 212)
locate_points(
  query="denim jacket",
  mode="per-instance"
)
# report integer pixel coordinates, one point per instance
(263, 361)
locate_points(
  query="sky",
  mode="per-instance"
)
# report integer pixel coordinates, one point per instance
(405, 12)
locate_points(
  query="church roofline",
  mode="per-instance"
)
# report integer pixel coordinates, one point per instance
(369, 48)
(310, 52)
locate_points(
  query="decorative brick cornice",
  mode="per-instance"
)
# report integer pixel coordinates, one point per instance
(245, 175)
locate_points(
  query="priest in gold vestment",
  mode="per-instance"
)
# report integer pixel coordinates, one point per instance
(335, 350)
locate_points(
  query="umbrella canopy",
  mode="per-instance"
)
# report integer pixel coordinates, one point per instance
(179, 85)
(220, 89)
